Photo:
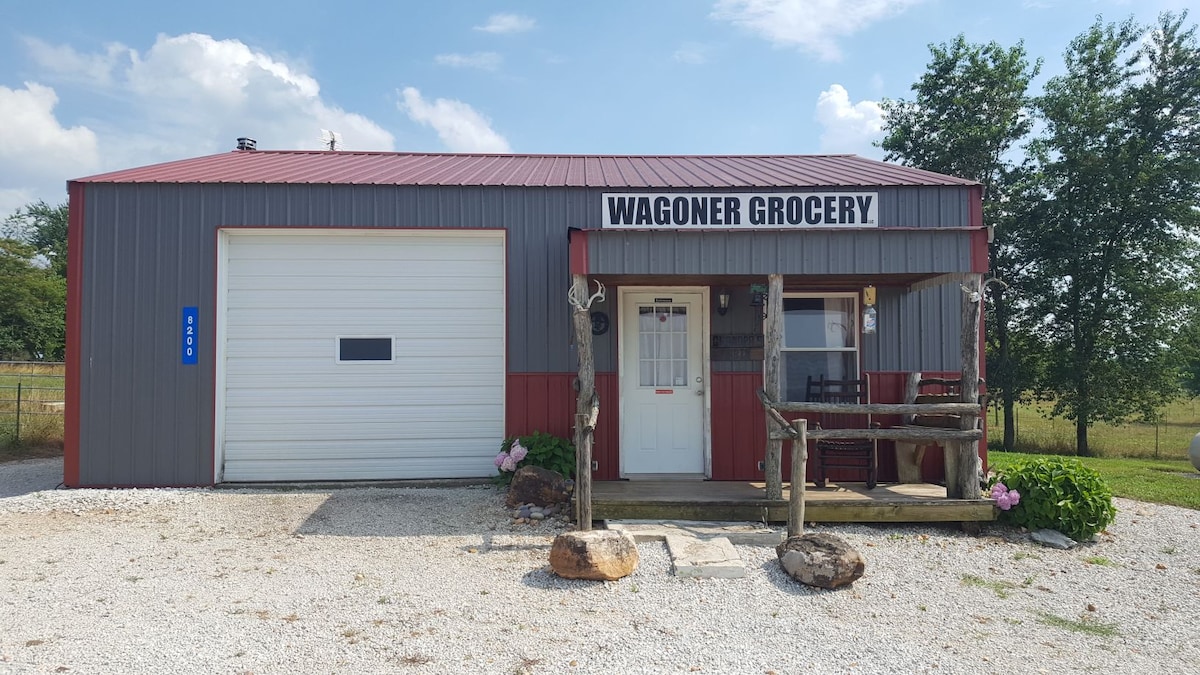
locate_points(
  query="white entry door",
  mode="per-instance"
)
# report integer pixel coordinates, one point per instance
(663, 382)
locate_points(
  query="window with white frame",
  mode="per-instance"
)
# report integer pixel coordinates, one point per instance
(820, 337)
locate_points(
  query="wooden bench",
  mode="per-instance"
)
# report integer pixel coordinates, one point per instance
(910, 454)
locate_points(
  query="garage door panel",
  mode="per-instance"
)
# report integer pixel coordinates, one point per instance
(291, 412)
(259, 375)
(260, 384)
(244, 273)
(318, 342)
(404, 435)
(364, 469)
(351, 401)
(322, 250)
(386, 279)
(413, 333)
(431, 301)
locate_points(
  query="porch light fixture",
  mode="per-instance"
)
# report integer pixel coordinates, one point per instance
(869, 315)
(723, 301)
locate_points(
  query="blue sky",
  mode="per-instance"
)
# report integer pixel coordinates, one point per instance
(87, 87)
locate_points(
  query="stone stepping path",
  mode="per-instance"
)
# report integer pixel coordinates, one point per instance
(702, 549)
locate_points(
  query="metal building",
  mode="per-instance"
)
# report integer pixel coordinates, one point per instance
(265, 316)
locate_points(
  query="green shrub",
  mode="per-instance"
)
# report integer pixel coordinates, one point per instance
(545, 450)
(1059, 494)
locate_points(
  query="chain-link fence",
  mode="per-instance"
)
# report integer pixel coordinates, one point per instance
(31, 402)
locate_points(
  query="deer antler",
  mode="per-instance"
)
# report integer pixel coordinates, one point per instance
(580, 303)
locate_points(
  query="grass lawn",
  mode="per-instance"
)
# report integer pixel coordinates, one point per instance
(1173, 482)
(41, 386)
(1168, 439)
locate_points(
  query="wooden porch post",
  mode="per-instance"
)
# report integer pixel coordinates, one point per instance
(772, 341)
(799, 468)
(583, 401)
(964, 482)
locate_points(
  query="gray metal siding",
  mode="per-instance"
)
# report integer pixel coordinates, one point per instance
(918, 330)
(809, 252)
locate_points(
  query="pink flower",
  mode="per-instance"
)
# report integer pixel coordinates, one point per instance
(1014, 497)
(509, 464)
(500, 458)
(998, 488)
(518, 451)
(1003, 501)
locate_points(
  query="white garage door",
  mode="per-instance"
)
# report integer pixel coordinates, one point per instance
(352, 354)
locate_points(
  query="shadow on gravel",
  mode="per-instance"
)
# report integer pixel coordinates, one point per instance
(29, 475)
(544, 579)
(426, 512)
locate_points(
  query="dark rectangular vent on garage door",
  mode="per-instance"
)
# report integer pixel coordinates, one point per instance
(360, 349)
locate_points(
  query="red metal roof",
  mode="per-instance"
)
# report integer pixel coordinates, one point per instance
(598, 171)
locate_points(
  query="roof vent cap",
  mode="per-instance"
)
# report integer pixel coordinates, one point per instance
(247, 144)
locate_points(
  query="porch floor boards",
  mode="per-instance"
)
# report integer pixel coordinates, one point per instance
(737, 500)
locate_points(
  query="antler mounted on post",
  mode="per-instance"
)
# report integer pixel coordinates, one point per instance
(580, 303)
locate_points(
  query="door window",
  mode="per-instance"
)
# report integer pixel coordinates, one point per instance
(662, 346)
(820, 337)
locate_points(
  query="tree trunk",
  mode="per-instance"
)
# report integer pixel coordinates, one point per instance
(1006, 381)
(772, 382)
(583, 405)
(962, 479)
(1081, 437)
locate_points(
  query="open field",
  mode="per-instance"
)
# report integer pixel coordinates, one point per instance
(39, 386)
(1166, 440)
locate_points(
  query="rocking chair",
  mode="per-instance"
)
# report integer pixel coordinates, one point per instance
(859, 454)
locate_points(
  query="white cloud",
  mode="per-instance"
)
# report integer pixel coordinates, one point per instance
(190, 94)
(507, 23)
(93, 69)
(811, 25)
(37, 153)
(186, 95)
(848, 127)
(480, 60)
(691, 54)
(460, 127)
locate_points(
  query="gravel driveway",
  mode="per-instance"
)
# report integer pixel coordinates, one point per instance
(436, 580)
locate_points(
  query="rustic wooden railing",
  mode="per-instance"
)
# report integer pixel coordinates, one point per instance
(798, 433)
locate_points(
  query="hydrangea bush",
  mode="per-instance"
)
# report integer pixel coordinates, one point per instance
(537, 449)
(1056, 493)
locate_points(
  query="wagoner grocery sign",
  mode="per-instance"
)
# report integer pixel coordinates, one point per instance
(725, 210)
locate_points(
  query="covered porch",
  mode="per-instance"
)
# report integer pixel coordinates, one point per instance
(746, 501)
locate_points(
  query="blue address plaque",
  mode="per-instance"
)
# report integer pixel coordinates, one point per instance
(191, 326)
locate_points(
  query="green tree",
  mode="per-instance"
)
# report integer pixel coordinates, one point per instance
(971, 109)
(33, 305)
(1186, 351)
(1119, 170)
(45, 228)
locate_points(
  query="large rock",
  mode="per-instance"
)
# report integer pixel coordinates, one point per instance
(535, 485)
(601, 555)
(821, 560)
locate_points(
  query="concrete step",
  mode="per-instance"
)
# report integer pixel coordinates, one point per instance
(742, 534)
(713, 558)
